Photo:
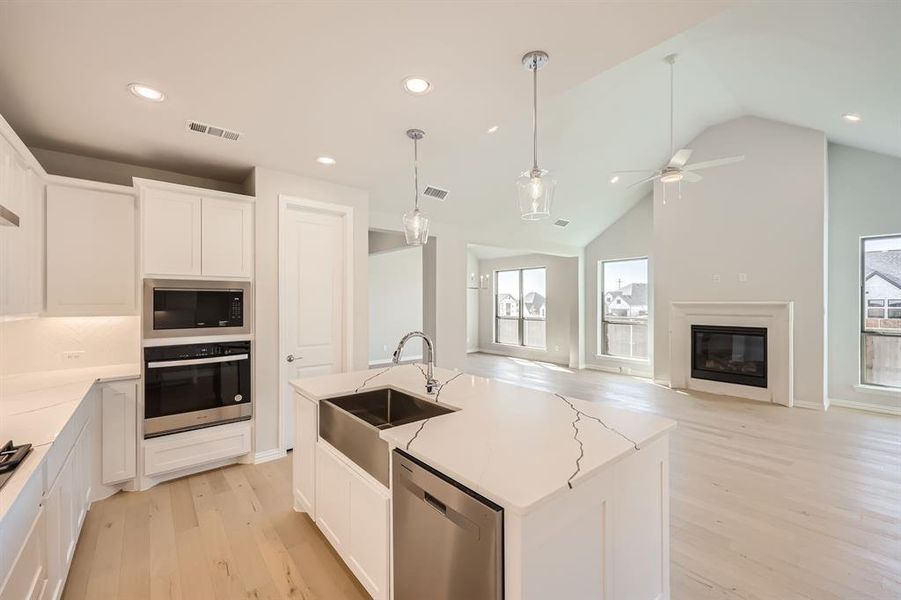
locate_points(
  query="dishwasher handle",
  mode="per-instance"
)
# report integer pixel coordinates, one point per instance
(434, 502)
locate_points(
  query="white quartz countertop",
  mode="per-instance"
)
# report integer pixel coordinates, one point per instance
(34, 407)
(517, 446)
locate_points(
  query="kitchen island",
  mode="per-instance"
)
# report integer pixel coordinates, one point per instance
(583, 487)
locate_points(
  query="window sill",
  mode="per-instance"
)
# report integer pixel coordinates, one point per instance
(877, 389)
(540, 349)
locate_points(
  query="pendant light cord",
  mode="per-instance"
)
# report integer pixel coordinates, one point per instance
(535, 114)
(415, 174)
(672, 102)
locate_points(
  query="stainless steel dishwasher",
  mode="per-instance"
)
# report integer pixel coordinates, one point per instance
(448, 540)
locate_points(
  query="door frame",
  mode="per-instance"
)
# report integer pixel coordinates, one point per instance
(346, 213)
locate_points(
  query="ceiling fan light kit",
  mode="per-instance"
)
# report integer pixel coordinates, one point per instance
(535, 187)
(416, 224)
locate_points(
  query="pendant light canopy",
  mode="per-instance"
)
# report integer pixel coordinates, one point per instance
(535, 187)
(416, 224)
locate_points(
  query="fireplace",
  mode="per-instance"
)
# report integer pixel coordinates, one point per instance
(730, 354)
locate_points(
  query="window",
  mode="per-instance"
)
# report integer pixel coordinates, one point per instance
(520, 305)
(880, 331)
(623, 308)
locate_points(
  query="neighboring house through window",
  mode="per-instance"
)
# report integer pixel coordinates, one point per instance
(880, 352)
(623, 308)
(521, 307)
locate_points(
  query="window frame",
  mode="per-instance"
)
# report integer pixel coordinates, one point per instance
(863, 314)
(602, 318)
(521, 318)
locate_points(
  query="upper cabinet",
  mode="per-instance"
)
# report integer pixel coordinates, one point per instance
(189, 232)
(21, 247)
(91, 249)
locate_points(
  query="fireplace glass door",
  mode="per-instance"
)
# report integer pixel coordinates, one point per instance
(729, 354)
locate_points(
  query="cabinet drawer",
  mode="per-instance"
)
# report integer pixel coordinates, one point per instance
(193, 448)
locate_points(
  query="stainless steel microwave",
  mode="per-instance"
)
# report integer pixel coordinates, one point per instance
(179, 308)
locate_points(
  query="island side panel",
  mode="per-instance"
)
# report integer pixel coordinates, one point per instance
(607, 539)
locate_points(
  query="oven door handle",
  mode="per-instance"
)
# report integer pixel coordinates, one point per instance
(196, 361)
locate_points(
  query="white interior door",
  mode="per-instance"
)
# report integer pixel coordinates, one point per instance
(314, 266)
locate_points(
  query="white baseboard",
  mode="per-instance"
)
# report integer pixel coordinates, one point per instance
(808, 405)
(267, 455)
(619, 370)
(867, 406)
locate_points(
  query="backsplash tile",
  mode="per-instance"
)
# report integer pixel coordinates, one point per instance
(30, 345)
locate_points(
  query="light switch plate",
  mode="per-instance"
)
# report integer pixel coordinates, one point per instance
(73, 354)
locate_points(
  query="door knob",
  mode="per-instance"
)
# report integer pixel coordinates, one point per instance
(290, 358)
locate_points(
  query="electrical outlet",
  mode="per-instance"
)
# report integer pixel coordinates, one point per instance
(384, 348)
(743, 277)
(716, 278)
(73, 354)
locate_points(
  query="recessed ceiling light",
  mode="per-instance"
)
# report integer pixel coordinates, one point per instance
(146, 92)
(326, 160)
(417, 85)
(492, 129)
(851, 117)
(614, 179)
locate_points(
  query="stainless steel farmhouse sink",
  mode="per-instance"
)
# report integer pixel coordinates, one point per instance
(352, 423)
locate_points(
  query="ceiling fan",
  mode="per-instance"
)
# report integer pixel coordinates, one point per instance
(677, 170)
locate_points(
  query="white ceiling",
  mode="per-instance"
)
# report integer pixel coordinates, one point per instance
(302, 80)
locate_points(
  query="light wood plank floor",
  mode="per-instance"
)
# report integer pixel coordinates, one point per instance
(768, 503)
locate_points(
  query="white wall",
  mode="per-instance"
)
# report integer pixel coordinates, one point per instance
(395, 302)
(562, 306)
(448, 242)
(267, 185)
(629, 237)
(472, 301)
(765, 217)
(863, 201)
(30, 345)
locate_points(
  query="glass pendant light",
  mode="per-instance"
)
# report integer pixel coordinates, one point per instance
(535, 187)
(416, 224)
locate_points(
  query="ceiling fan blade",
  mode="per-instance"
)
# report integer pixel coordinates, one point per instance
(645, 180)
(636, 171)
(680, 158)
(691, 177)
(717, 162)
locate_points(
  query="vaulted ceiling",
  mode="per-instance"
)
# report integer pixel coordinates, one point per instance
(308, 79)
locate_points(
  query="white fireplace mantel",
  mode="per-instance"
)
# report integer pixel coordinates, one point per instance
(775, 316)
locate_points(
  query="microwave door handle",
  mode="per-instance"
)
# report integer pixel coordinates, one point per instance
(196, 361)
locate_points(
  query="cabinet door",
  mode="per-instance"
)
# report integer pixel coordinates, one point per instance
(90, 252)
(171, 225)
(368, 542)
(21, 265)
(62, 531)
(118, 432)
(28, 577)
(332, 499)
(227, 238)
(304, 455)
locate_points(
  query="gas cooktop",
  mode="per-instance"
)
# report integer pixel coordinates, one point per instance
(10, 458)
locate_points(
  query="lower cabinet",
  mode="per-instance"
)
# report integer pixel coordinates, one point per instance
(353, 512)
(306, 431)
(28, 577)
(118, 409)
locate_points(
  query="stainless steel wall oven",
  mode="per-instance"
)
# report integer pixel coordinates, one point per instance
(192, 386)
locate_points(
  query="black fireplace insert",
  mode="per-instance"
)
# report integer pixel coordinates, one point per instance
(730, 354)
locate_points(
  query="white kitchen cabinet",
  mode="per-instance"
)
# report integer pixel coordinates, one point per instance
(304, 455)
(118, 431)
(191, 232)
(368, 549)
(21, 248)
(352, 511)
(171, 226)
(227, 238)
(27, 579)
(90, 250)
